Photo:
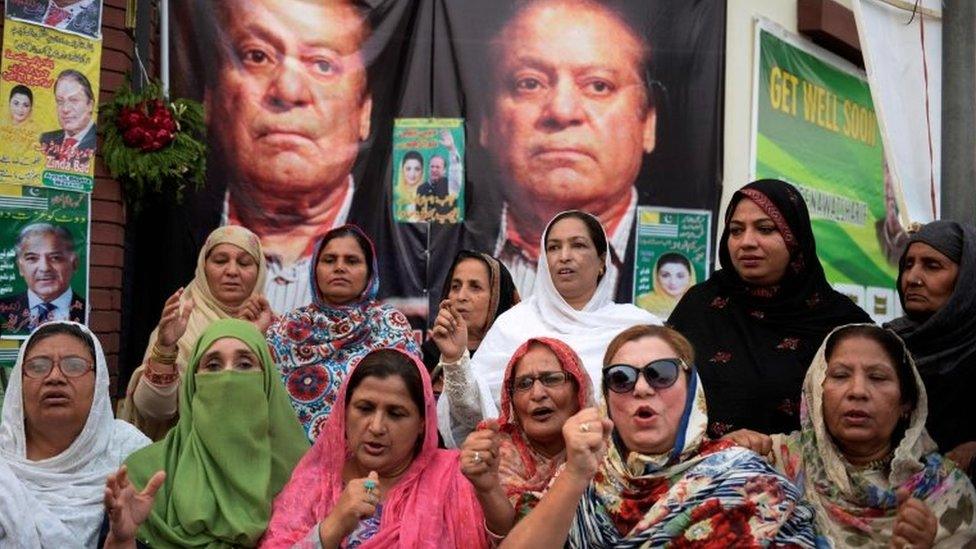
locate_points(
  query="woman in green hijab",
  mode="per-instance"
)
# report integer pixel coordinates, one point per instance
(233, 449)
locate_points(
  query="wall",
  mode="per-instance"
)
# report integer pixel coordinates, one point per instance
(107, 209)
(739, 68)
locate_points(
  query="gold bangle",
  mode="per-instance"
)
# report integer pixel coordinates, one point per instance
(163, 356)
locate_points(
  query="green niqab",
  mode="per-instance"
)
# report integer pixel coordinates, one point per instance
(232, 451)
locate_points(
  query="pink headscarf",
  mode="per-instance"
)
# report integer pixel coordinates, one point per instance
(525, 474)
(432, 505)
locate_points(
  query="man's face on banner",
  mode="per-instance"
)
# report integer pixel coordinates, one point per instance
(47, 264)
(74, 106)
(437, 168)
(290, 105)
(570, 119)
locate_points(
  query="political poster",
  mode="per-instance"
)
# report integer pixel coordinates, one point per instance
(49, 85)
(44, 240)
(428, 184)
(816, 127)
(80, 17)
(673, 249)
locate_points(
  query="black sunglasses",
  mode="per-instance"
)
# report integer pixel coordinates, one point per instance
(659, 374)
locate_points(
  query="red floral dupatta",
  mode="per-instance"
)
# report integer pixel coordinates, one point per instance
(525, 473)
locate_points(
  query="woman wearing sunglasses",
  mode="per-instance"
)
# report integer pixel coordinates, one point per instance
(648, 476)
(511, 462)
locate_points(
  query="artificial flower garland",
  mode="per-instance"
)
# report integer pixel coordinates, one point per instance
(151, 143)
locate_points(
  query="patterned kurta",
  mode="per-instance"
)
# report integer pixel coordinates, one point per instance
(315, 346)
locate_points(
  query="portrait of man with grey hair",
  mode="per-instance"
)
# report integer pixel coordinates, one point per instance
(47, 260)
(73, 146)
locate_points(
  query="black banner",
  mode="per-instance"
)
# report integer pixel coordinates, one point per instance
(566, 104)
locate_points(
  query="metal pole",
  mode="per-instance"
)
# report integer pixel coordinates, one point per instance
(164, 45)
(959, 110)
(143, 41)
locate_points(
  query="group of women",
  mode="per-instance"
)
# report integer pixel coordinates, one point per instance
(770, 411)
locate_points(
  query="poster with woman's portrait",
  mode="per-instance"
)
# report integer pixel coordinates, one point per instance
(428, 184)
(673, 249)
(48, 119)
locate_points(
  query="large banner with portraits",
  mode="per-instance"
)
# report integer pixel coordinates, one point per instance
(816, 127)
(596, 105)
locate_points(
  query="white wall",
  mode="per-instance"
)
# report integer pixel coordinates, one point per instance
(739, 68)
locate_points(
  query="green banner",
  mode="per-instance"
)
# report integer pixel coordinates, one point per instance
(816, 128)
(672, 251)
(428, 174)
(43, 257)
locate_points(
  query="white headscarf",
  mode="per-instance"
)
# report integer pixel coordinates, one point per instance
(57, 502)
(546, 314)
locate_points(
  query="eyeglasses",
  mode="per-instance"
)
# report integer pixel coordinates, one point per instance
(548, 379)
(71, 366)
(659, 374)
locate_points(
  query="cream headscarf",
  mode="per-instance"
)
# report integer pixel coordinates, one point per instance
(858, 507)
(206, 309)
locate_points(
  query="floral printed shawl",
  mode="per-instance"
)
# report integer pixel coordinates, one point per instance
(524, 472)
(858, 508)
(316, 345)
(700, 494)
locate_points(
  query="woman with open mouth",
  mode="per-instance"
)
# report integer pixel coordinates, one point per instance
(511, 461)
(229, 277)
(375, 477)
(572, 302)
(59, 440)
(863, 457)
(646, 475)
(757, 322)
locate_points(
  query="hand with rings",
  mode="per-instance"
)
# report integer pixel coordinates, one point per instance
(479, 457)
(357, 501)
(585, 434)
